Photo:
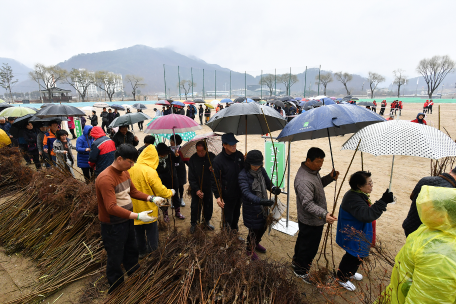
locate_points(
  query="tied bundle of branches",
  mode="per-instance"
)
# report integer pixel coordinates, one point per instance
(199, 269)
(52, 218)
(13, 177)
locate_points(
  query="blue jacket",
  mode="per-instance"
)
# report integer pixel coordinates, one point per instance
(252, 211)
(82, 143)
(355, 212)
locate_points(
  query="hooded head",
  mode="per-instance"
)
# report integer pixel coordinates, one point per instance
(437, 208)
(418, 116)
(149, 157)
(86, 130)
(97, 132)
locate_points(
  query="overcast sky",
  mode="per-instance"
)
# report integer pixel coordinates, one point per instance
(243, 35)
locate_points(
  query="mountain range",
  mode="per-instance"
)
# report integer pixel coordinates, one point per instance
(156, 65)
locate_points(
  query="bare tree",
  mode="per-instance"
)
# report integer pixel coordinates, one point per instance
(47, 76)
(399, 79)
(288, 81)
(434, 71)
(108, 82)
(269, 81)
(325, 78)
(187, 86)
(80, 80)
(344, 78)
(136, 83)
(374, 79)
(7, 78)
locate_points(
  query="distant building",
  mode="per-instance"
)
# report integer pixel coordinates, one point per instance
(57, 95)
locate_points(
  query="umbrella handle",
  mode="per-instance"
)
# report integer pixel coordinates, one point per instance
(391, 177)
(330, 149)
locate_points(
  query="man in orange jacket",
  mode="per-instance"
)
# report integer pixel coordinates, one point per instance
(48, 141)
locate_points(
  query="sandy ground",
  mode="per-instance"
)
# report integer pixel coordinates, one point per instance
(17, 272)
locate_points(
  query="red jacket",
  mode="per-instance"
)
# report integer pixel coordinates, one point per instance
(400, 104)
(416, 121)
(426, 103)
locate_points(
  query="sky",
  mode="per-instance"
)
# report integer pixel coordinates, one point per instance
(243, 35)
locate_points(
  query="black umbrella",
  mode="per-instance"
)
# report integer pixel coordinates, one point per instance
(21, 122)
(60, 110)
(4, 106)
(256, 98)
(198, 100)
(129, 119)
(247, 118)
(272, 97)
(354, 98)
(286, 98)
(348, 97)
(240, 100)
(278, 103)
(139, 106)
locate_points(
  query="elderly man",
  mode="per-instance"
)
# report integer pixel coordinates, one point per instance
(227, 166)
(125, 137)
(312, 210)
(199, 178)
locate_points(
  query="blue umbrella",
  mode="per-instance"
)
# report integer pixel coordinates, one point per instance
(178, 103)
(332, 120)
(327, 101)
(225, 100)
(249, 100)
(117, 107)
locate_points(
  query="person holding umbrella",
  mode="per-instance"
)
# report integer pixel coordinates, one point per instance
(312, 210)
(175, 142)
(199, 178)
(359, 213)
(225, 184)
(48, 140)
(62, 148)
(83, 144)
(254, 183)
(123, 136)
(140, 123)
(201, 114)
(39, 143)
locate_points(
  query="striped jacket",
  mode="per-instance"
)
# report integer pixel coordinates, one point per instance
(102, 150)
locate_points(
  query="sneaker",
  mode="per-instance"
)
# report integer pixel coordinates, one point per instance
(260, 248)
(182, 202)
(192, 229)
(348, 285)
(357, 277)
(304, 277)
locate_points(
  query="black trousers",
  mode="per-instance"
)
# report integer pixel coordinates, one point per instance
(88, 173)
(232, 212)
(206, 206)
(429, 109)
(140, 125)
(306, 247)
(120, 243)
(181, 191)
(382, 110)
(147, 237)
(201, 119)
(254, 237)
(25, 153)
(104, 126)
(374, 109)
(72, 133)
(348, 266)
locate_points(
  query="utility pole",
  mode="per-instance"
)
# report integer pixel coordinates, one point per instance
(245, 84)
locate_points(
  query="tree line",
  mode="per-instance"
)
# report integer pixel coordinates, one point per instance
(433, 70)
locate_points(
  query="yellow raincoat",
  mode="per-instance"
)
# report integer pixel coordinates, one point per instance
(4, 139)
(425, 268)
(145, 178)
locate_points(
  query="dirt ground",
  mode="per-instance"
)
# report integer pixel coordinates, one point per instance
(18, 273)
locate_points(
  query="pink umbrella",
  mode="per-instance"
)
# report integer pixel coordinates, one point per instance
(162, 103)
(333, 98)
(189, 102)
(172, 123)
(213, 141)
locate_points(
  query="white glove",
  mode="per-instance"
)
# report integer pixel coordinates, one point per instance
(157, 200)
(144, 216)
(174, 192)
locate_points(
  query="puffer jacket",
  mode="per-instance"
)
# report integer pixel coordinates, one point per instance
(59, 150)
(145, 178)
(104, 117)
(252, 211)
(82, 143)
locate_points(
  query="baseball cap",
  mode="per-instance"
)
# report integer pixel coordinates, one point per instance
(229, 139)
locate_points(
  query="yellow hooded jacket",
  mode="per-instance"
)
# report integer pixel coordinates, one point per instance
(425, 267)
(145, 178)
(4, 139)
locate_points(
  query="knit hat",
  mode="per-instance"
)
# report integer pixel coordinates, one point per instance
(254, 158)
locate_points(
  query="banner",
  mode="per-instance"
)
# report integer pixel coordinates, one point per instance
(275, 173)
(77, 127)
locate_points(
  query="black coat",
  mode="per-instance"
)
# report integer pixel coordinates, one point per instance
(181, 170)
(252, 211)
(104, 117)
(195, 172)
(30, 137)
(169, 178)
(413, 221)
(227, 167)
(357, 204)
(93, 120)
(128, 138)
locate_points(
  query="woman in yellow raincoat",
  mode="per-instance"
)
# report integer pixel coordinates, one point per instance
(145, 178)
(425, 268)
(4, 139)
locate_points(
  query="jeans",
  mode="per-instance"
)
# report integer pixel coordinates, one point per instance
(348, 266)
(232, 212)
(206, 207)
(120, 243)
(147, 237)
(306, 247)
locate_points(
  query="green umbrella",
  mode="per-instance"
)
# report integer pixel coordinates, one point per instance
(2, 101)
(16, 112)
